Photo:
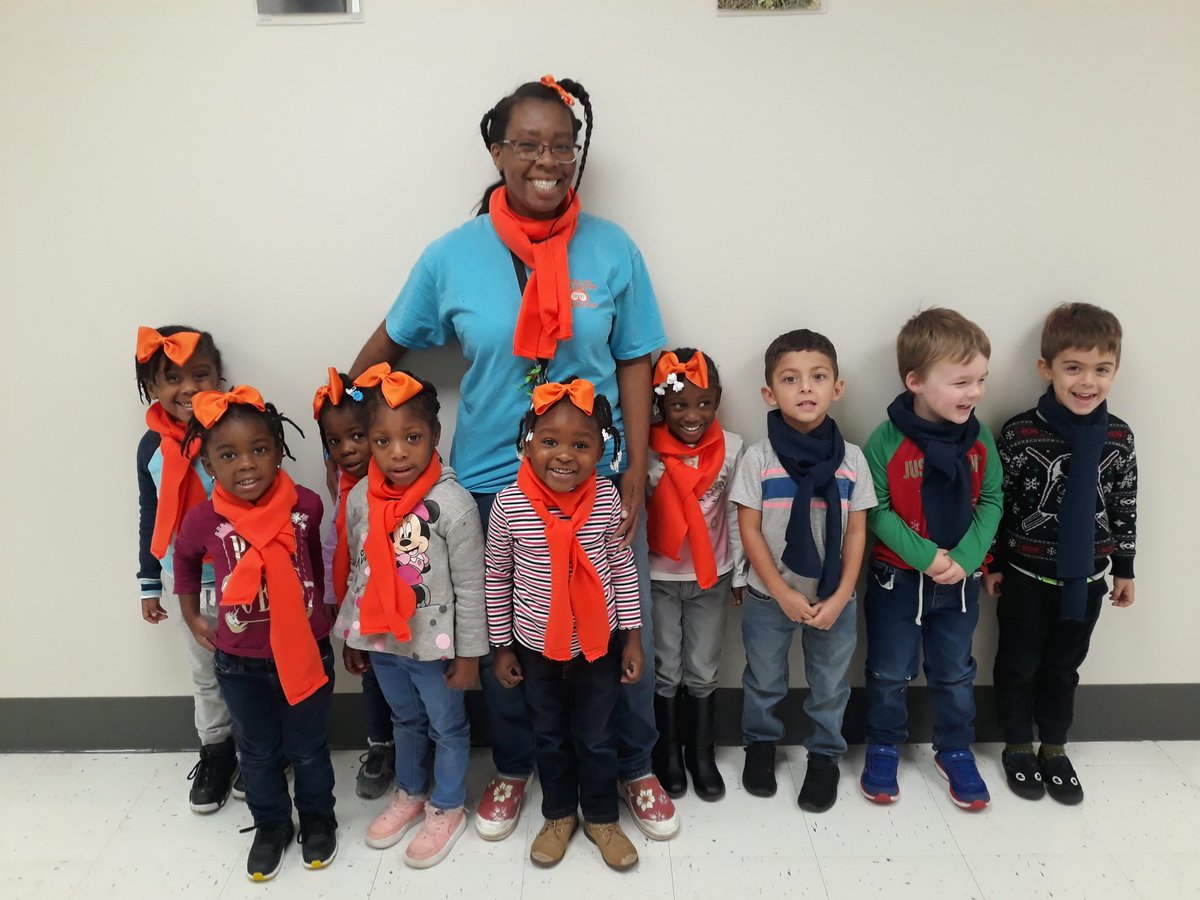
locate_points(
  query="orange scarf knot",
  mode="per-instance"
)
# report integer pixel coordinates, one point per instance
(388, 601)
(544, 318)
(178, 347)
(669, 372)
(578, 601)
(581, 393)
(209, 406)
(266, 528)
(673, 511)
(180, 487)
(397, 387)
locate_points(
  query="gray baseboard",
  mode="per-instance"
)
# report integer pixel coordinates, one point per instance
(1103, 712)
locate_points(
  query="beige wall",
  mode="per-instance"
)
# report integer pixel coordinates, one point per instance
(172, 161)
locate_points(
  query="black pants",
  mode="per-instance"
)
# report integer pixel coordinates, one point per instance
(571, 706)
(1037, 662)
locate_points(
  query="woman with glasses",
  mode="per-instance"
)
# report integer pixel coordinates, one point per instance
(534, 289)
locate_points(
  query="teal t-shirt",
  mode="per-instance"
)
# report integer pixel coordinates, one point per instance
(464, 287)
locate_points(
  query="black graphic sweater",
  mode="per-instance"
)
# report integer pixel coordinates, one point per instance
(1036, 464)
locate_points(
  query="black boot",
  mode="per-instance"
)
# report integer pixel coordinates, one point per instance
(700, 748)
(667, 756)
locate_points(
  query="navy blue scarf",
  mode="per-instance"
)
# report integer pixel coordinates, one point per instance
(811, 460)
(1077, 509)
(946, 485)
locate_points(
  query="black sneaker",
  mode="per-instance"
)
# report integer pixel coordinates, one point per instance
(819, 791)
(212, 777)
(758, 775)
(318, 839)
(378, 770)
(1024, 776)
(239, 786)
(266, 853)
(1061, 781)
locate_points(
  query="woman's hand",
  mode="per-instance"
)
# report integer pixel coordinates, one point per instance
(633, 498)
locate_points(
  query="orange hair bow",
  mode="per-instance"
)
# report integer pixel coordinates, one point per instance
(178, 347)
(397, 387)
(548, 81)
(209, 406)
(669, 371)
(331, 392)
(581, 392)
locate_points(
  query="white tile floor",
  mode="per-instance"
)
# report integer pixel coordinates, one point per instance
(95, 826)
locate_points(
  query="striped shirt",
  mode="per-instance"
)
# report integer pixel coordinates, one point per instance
(762, 483)
(517, 568)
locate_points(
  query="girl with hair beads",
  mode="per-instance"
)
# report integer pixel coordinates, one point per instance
(695, 559)
(560, 584)
(172, 365)
(273, 659)
(341, 414)
(534, 289)
(415, 610)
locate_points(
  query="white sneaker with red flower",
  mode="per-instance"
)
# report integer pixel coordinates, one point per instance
(653, 810)
(500, 807)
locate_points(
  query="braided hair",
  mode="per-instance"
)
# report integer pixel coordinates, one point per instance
(272, 416)
(494, 123)
(147, 372)
(602, 414)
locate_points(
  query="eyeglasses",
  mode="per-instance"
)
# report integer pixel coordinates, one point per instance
(530, 151)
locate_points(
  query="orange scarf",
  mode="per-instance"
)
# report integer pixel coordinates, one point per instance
(266, 527)
(577, 596)
(674, 508)
(388, 601)
(341, 551)
(180, 488)
(545, 315)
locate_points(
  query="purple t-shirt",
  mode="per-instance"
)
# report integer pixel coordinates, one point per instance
(244, 630)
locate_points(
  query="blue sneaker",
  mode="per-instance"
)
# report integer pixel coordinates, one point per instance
(966, 786)
(878, 781)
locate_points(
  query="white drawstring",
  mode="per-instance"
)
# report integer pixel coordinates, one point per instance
(921, 595)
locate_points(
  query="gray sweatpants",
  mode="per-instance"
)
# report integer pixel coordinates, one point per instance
(213, 724)
(689, 626)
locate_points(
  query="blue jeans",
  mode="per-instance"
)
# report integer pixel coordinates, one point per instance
(271, 733)
(571, 707)
(378, 713)
(514, 747)
(894, 641)
(767, 634)
(424, 709)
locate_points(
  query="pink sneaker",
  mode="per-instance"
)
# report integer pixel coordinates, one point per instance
(500, 807)
(652, 809)
(390, 825)
(433, 842)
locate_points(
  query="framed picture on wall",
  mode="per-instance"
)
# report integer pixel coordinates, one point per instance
(308, 12)
(752, 7)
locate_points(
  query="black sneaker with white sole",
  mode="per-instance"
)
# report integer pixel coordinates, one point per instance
(212, 777)
(318, 839)
(239, 786)
(1023, 774)
(266, 853)
(1061, 781)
